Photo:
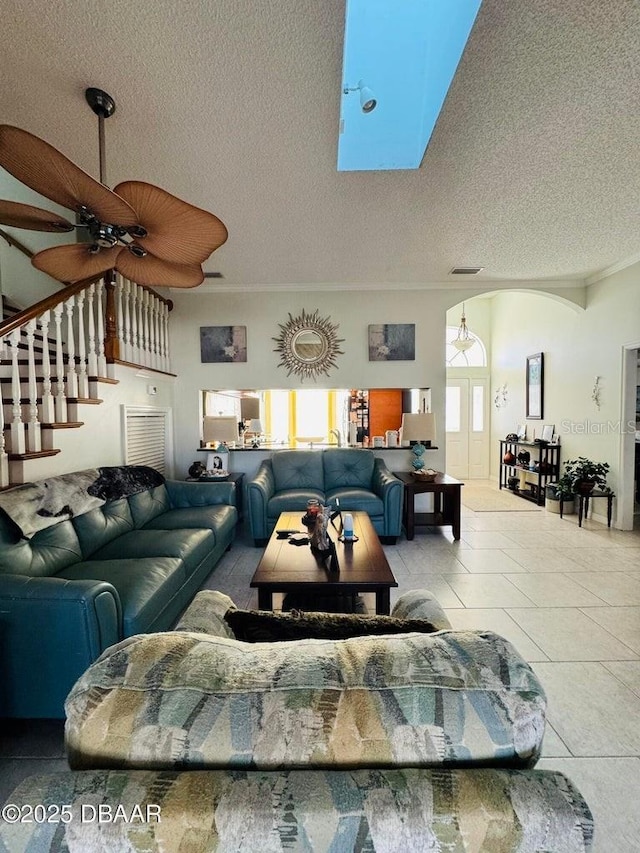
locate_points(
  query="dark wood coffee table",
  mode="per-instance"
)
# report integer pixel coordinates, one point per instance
(293, 568)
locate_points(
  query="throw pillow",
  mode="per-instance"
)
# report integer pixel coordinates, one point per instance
(262, 626)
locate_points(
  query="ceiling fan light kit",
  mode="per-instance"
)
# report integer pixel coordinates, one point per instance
(143, 232)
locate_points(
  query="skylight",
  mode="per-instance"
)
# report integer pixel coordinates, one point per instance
(404, 53)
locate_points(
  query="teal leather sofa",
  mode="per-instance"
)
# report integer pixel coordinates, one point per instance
(127, 566)
(357, 478)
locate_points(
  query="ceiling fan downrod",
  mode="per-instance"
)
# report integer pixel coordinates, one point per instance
(103, 106)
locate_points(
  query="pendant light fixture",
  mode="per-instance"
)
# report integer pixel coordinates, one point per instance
(463, 341)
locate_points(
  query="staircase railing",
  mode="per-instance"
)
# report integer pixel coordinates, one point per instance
(56, 351)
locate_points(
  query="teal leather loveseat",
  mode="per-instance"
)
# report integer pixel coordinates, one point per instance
(356, 478)
(89, 558)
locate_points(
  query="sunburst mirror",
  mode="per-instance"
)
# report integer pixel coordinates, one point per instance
(308, 345)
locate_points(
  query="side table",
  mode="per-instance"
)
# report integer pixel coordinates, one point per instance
(446, 502)
(583, 505)
(236, 477)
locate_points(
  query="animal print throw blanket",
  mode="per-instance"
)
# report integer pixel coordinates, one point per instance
(36, 506)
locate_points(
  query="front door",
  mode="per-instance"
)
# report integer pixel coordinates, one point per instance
(467, 428)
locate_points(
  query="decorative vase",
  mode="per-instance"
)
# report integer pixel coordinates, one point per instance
(196, 470)
(524, 457)
(508, 458)
(512, 482)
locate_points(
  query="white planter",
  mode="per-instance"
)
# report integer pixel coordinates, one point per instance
(552, 505)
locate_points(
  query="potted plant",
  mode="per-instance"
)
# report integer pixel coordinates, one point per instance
(562, 490)
(586, 474)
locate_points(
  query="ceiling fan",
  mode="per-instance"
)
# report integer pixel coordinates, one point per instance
(140, 230)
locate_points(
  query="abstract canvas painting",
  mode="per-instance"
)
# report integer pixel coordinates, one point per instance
(223, 343)
(392, 342)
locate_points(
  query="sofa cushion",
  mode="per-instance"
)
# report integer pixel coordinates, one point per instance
(388, 811)
(348, 467)
(190, 546)
(101, 525)
(220, 520)
(43, 555)
(183, 700)
(292, 501)
(297, 469)
(144, 585)
(356, 499)
(146, 505)
(264, 626)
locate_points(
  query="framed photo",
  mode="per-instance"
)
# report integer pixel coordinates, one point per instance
(217, 463)
(521, 432)
(547, 432)
(223, 344)
(535, 386)
(392, 342)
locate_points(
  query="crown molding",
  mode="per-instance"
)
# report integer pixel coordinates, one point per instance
(614, 268)
(481, 285)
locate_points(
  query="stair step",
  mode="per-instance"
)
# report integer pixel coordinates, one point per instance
(7, 380)
(60, 425)
(22, 457)
(63, 425)
(89, 400)
(105, 379)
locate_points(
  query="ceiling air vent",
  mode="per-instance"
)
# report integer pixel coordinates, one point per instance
(466, 270)
(213, 275)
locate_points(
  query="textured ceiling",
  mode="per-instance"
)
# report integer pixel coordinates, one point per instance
(532, 172)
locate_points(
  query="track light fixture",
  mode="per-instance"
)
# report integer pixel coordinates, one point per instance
(367, 101)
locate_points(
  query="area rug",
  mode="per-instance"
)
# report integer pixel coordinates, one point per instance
(486, 499)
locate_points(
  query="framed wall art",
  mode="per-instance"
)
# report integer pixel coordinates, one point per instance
(220, 344)
(535, 386)
(392, 342)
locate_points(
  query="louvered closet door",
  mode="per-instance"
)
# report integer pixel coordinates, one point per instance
(146, 437)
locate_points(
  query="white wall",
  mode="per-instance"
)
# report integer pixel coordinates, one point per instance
(21, 283)
(101, 440)
(262, 312)
(577, 346)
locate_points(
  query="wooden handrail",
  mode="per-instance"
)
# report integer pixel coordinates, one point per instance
(45, 304)
(16, 243)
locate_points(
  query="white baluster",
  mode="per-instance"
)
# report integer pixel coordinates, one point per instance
(4, 459)
(135, 341)
(72, 376)
(141, 340)
(48, 408)
(162, 344)
(120, 317)
(155, 354)
(18, 442)
(167, 347)
(92, 358)
(102, 361)
(83, 378)
(61, 398)
(145, 328)
(127, 353)
(34, 443)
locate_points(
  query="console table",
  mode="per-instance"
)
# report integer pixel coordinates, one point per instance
(446, 502)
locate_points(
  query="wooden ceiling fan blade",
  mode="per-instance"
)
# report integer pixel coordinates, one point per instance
(156, 272)
(18, 215)
(44, 169)
(74, 261)
(176, 231)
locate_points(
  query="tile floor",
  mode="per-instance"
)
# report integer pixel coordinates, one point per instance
(568, 599)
